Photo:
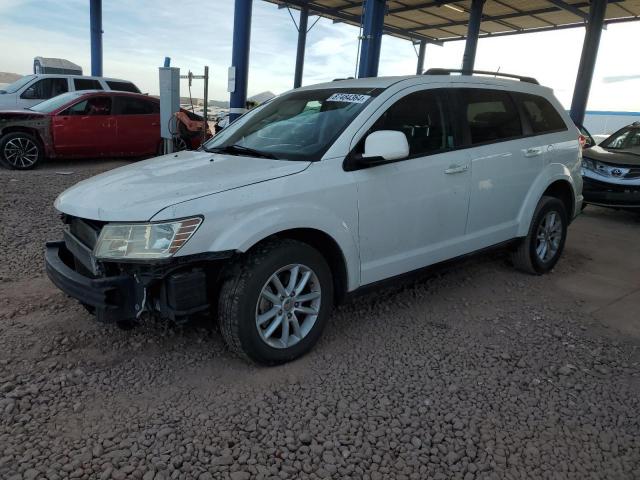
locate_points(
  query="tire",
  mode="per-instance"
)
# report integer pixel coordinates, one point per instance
(248, 283)
(530, 256)
(179, 144)
(21, 151)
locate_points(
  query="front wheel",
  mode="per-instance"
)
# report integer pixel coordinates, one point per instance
(274, 301)
(21, 151)
(540, 250)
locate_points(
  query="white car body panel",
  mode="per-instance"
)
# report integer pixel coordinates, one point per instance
(11, 101)
(136, 192)
(386, 220)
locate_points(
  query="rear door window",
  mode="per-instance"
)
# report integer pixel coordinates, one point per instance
(135, 106)
(86, 84)
(491, 115)
(542, 116)
(46, 88)
(123, 86)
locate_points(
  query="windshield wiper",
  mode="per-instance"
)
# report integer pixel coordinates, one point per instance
(240, 150)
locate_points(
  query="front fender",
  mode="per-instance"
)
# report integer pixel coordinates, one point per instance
(239, 219)
(551, 173)
(263, 223)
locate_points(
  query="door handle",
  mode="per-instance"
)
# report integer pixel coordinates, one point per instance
(456, 169)
(532, 152)
(155, 124)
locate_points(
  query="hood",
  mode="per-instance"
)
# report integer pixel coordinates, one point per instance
(137, 192)
(611, 156)
(11, 115)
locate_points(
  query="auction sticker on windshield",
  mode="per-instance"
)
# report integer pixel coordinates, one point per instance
(348, 98)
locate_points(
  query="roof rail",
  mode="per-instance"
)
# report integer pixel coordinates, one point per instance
(449, 71)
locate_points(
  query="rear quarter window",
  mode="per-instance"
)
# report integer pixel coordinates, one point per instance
(542, 116)
(136, 106)
(123, 86)
(86, 84)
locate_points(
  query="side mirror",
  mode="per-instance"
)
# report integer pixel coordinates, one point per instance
(385, 145)
(29, 94)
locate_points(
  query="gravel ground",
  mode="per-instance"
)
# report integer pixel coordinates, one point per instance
(473, 372)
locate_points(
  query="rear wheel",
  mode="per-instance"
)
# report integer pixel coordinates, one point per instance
(275, 301)
(540, 250)
(21, 151)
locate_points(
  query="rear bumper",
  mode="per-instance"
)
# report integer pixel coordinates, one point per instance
(610, 194)
(112, 295)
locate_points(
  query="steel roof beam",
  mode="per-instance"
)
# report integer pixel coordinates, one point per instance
(333, 13)
(489, 18)
(543, 29)
(419, 6)
(569, 8)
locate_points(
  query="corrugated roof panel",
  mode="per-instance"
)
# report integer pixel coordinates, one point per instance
(492, 8)
(529, 22)
(403, 23)
(446, 21)
(494, 27)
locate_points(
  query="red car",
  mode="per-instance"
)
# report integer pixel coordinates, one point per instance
(85, 124)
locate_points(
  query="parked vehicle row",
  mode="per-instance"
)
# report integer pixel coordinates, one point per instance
(84, 124)
(321, 191)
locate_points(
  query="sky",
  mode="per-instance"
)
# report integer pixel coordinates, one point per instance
(138, 34)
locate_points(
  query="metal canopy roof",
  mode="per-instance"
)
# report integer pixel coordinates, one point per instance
(443, 21)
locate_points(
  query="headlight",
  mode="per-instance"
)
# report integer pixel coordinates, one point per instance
(588, 164)
(144, 240)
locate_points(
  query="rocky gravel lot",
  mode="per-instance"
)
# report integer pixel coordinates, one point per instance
(473, 372)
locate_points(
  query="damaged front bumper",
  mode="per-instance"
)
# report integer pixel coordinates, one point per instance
(115, 295)
(175, 289)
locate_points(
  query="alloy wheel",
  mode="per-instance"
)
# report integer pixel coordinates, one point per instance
(288, 306)
(548, 236)
(21, 152)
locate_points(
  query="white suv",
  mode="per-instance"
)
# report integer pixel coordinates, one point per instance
(33, 89)
(318, 192)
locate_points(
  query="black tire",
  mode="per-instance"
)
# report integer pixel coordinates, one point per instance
(180, 144)
(33, 151)
(240, 292)
(525, 257)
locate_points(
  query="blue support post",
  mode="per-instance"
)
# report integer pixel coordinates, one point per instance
(473, 30)
(595, 22)
(302, 43)
(95, 22)
(421, 52)
(240, 58)
(372, 28)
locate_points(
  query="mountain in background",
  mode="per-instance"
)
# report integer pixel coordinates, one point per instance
(261, 97)
(6, 77)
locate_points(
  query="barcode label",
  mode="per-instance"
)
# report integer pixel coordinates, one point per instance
(348, 98)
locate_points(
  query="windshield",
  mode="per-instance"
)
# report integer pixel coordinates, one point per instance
(18, 84)
(54, 103)
(627, 139)
(300, 125)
